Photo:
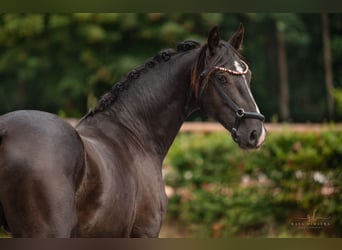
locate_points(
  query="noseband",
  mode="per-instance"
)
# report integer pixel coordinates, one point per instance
(240, 113)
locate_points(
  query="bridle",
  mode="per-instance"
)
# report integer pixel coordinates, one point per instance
(240, 113)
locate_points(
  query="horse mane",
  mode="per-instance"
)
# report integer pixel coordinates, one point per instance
(163, 56)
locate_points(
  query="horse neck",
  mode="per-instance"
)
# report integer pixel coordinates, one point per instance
(153, 107)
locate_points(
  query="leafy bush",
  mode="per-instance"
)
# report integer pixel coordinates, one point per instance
(290, 187)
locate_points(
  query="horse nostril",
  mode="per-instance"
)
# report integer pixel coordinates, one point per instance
(253, 136)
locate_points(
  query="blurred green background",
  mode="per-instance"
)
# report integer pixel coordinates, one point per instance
(289, 188)
(63, 63)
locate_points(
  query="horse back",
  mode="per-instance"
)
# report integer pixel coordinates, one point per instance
(38, 139)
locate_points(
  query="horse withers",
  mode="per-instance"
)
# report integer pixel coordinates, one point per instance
(103, 178)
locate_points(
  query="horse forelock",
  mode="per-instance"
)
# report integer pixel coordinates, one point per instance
(163, 56)
(199, 67)
(200, 81)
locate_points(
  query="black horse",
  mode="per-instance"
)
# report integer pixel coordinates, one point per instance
(103, 178)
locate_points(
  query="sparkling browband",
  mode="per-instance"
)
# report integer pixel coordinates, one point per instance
(234, 72)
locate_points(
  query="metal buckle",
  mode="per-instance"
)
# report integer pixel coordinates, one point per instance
(240, 113)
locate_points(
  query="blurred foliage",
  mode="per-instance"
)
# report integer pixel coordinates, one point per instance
(62, 63)
(220, 190)
(337, 93)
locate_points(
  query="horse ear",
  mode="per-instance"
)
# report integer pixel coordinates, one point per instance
(213, 39)
(237, 39)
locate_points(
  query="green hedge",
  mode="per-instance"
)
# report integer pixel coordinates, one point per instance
(290, 187)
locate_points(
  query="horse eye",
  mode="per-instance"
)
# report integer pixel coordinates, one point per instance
(221, 78)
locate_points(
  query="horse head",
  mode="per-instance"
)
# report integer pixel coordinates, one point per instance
(221, 82)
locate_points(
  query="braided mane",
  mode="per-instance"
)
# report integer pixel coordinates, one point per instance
(163, 56)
